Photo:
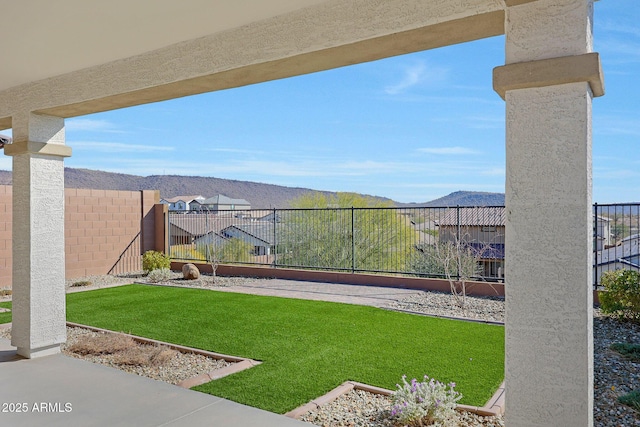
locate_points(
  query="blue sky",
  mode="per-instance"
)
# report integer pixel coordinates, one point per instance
(410, 128)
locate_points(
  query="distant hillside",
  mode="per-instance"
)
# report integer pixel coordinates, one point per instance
(259, 195)
(464, 198)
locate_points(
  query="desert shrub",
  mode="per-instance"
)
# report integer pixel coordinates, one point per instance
(145, 355)
(628, 350)
(154, 260)
(621, 296)
(81, 283)
(102, 344)
(5, 292)
(631, 399)
(159, 275)
(424, 403)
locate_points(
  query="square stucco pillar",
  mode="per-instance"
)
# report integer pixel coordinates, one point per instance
(38, 234)
(548, 84)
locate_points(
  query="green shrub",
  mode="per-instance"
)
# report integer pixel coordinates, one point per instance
(628, 350)
(160, 275)
(622, 294)
(81, 283)
(631, 399)
(153, 260)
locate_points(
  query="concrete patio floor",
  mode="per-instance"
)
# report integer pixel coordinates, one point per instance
(63, 391)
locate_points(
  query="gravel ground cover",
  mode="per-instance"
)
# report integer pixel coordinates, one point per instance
(178, 367)
(614, 375)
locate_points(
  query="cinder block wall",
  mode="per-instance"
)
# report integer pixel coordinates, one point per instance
(105, 231)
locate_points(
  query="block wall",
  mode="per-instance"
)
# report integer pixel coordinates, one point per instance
(105, 231)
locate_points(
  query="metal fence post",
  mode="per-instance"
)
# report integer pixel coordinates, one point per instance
(458, 245)
(353, 242)
(595, 246)
(275, 241)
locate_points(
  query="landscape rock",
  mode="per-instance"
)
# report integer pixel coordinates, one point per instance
(190, 272)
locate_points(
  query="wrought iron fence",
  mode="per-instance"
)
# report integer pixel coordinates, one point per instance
(615, 238)
(455, 242)
(444, 242)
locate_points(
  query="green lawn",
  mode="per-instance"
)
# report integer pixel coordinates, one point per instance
(307, 347)
(5, 317)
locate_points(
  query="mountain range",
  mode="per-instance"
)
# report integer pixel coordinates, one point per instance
(258, 194)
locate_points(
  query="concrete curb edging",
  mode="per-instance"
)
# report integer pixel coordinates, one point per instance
(238, 363)
(493, 407)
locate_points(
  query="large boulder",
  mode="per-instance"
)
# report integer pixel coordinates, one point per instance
(190, 272)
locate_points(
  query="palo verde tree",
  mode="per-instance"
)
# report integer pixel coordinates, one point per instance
(346, 232)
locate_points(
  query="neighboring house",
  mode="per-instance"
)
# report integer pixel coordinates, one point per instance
(258, 234)
(481, 228)
(220, 203)
(428, 230)
(603, 233)
(187, 229)
(181, 203)
(625, 255)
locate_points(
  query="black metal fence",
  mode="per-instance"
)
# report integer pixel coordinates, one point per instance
(444, 242)
(615, 239)
(458, 242)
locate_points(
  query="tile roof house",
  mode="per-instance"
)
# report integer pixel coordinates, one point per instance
(482, 229)
(220, 203)
(626, 256)
(259, 234)
(181, 203)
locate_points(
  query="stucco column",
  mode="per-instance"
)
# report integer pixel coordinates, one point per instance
(38, 234)
(548, 84)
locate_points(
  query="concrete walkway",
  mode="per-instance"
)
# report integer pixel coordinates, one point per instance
(350, 294)
(63, 391)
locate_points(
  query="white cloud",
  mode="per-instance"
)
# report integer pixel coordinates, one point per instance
(416, 75)
(90, 125)
(118, 147)
(453, 151)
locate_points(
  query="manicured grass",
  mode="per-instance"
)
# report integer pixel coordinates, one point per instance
(307, 347)
(5, 317)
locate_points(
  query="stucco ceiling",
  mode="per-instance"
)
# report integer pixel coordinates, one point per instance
(44, 38)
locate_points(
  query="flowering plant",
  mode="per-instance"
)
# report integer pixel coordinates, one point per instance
(424, 403)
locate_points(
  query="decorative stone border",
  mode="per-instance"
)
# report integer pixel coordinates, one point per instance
(495, 405)
(237, 363)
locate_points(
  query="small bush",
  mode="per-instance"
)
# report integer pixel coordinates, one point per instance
(81, 283)
(628, 350)
(102, 344)
(5, 292)
(159, 275)
(424, 403)
(631, 399)
(153, 260)
(145, 355)
(622, 294)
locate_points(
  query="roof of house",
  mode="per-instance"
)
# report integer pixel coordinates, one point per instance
(477, 216)
(199, 224)
(187, 199)
(260, 230)
(224, 200)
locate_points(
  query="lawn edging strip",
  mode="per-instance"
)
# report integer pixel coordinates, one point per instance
(493, 407)
(237, 363)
